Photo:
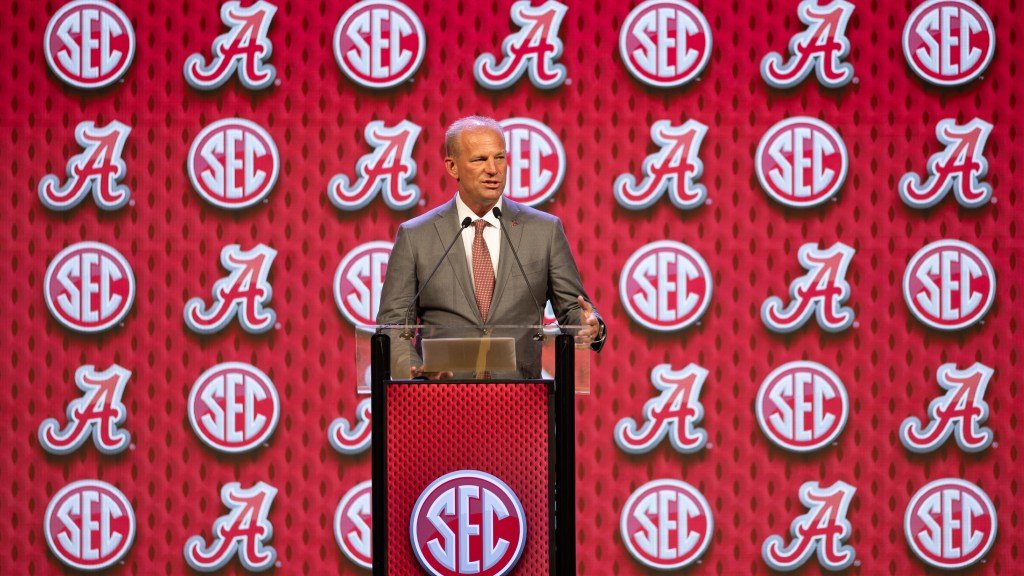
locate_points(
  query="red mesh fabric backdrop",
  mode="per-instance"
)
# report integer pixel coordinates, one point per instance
(316, 115)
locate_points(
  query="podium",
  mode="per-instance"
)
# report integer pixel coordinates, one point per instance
(473, 465)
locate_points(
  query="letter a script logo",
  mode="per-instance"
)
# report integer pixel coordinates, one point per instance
(823, 529)
(98, 169)
(672, 169)
(960, 412)
(89, 44)
(821, 47)
(89, 525)
(949, 42)
(665, 43)
(389, 169)
(820, 293)
(233, 163)
(665, 286)
(243, 49)
(379, 43)
(353, 525)
(233, 407)
(352, 439)
(468, 522)
(358, 282)
(666, 524)
(960, 168)
(949, 285)
(535, 47)
(677, 410)
(950, 523)
(89, 287)
(801, 162)
(244, 293)
(99, 413)
(244, 531)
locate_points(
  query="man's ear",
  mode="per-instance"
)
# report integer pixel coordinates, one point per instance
(451, 167)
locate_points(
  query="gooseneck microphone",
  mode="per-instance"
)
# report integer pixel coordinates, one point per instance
(540, 311)
(406, 333)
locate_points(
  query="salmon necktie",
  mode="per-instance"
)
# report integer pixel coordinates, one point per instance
(483, 270)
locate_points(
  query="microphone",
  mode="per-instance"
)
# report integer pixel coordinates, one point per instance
(406, 333)
(540, 311)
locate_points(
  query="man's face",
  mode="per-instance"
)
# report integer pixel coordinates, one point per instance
(479, 167)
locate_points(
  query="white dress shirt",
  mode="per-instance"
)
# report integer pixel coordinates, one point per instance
(492, 234)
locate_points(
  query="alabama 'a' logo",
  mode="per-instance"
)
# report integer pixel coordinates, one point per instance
(89, 44)
(233, 163)
(820, 293)
(98, 413)
(352, 438)
(98, 169)
(665, 43)
(801, 162)
(89, 525)
(244, 293)
(233, 407)
(379, 43)
(821, 47)
(353, 525)
(823, 529)
(665, 286)
(960, 412)
(244, 531)
(536, 160)
(389, 169)
(672, 169)
(244, 49)
(950, 523)
(89, 287)
(675, 413)
(666, 524)
(358, 282)
(949, 285)
(960, 168)
(949, 42)
(802, 406)
(535, 47)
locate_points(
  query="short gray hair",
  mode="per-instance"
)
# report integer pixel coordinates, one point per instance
(451, 135)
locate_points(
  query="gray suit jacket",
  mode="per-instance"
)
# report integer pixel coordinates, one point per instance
(449, 298)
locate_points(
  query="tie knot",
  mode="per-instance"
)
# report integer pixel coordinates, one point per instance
(480, 224)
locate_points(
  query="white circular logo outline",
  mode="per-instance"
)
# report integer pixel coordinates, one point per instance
(681, 486)
(681, 5)
(965, 486)
(243, 367)
(96, 485)
(107, 251)
(126, 61)
(944, 244)
(396, 6)
(772, 378)
(201, 137)
(645, 250)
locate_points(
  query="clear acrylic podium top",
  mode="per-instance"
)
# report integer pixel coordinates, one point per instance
(438, 352)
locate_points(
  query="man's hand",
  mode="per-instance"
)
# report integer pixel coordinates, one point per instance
(417, 372)
(591, 326)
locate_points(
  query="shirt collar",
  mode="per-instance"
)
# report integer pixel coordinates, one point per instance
(464, 211)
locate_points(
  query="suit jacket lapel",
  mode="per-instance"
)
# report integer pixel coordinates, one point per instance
(447, 224)
(507, 266)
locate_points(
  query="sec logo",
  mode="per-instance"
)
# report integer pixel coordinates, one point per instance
(379, 43)
(89, 287)
(536, 161)
(89, 525)
(665, 43)
(665, 286)
(949, 285)
(89, 43)
(666, 524)
(233, 407)
(353, 525)
(233, 163)
(358, 281)
(468, 522)
(801, 162)
(949, 42)
(950, 523)
(802, 406)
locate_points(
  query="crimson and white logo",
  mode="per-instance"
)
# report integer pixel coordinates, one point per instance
(468, 522)
(358, 281)
(89, 525)
(233, 407)
(801, 162)
(665, 43)
(961, 411)
(950, 523)
(244, 531)
(244, 293)
(823, 529)
(821, 47)
(233, 163)
(802, 406)
(389, 169)
(536, 160)
(244, 49)
(820, 293)
(960, 168)
(353, 525)
(673, 169)
(89, 43)
(89, 287)
(666, 524)
(949, 42)
(99, 413)
(98, 169)
(535, 47)
(379, 43)
(949, 285)
(677, 410)
(665, 286)
(352, 438)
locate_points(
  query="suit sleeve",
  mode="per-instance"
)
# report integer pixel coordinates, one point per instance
(564, 283)
(400, 285)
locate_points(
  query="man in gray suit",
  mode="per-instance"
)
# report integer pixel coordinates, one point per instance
(480, 284)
